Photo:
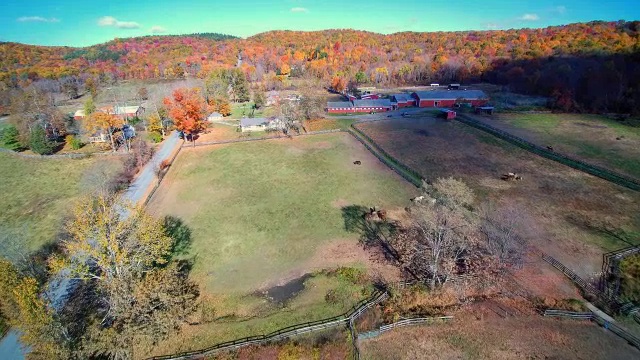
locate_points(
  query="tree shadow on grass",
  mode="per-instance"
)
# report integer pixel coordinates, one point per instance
(372, 233)
(180, 233)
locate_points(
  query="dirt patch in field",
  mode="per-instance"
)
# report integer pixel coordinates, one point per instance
(470, 336)
(342, 252)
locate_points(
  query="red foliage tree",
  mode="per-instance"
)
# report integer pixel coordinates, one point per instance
(188, 110)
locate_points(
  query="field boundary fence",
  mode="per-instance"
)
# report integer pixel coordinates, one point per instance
(63, 156)
(402, 323)
(399, 167)
(594, 170)
(283, 333)
(161, 177)
(232, 141)
(607, 325)
(611, 304)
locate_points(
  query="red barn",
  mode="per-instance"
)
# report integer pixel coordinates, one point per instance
(359, 106)
(448, 98)
(370, 97)
(403, 100)
(339, 107)
(373, 105)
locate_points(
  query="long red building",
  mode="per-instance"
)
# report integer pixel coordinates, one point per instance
(359, 106)
(448, 98)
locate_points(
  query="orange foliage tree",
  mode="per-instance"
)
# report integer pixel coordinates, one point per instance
(188, 110)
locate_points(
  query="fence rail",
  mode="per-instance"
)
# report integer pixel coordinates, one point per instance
(399, 167)
(594, 170)
(63, 156)
(283, 333)
(568, 314)
(630, 338)
(603, 300)
(232, 141)
(402, 323)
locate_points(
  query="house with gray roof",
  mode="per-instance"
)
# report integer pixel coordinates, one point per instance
(260, 124)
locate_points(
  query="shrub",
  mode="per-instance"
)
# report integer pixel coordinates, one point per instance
(39, 143)
(353, 275)
(9, 136)
(74, 142)
(134, 121)
(164, 164)
(154, 137)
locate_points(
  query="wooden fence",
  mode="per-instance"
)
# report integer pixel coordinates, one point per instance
(63, 156)
(594, 170)
(396, 165)
(630, 338)
(231, 141)
(283, 333)
(610, 303)
(402, 323)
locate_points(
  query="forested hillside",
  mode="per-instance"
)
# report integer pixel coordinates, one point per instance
(585, 67)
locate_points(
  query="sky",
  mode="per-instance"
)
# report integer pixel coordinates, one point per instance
(83, 23)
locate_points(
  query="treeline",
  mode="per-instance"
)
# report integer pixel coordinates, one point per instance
(564, 62)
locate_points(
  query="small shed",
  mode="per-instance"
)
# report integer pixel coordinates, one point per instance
(214, 116)
(488, 110)
(79, 115)
(448, 114)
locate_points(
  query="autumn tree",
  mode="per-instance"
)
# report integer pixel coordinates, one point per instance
(310, 105)
(338, 84)
(89, 107)
(91, 85)
(143, 93)
(31, 108)
(259, 99)
(224, 107)
(123, 255)
(101, 121)
(155, 124)
(188, 110)
(25, 309)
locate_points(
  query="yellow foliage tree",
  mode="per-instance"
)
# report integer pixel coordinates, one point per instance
(102, 121)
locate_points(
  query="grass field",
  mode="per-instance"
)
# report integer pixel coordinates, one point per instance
(265, 213)
(592, 138)
(37, 195)
(567, 212)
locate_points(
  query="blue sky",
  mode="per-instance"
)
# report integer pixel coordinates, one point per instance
(81, 23)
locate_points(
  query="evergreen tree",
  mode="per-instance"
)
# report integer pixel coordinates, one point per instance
(39, 143)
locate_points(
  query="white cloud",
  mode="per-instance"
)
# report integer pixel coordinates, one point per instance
(37, 19)
(111, 21)
(299, 10)
(560, 9)
(493, 26)
(529, 17)
(157, 29)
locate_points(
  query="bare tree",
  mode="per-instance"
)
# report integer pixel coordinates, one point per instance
(441, 238)
(502, 229)
(441, 231)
